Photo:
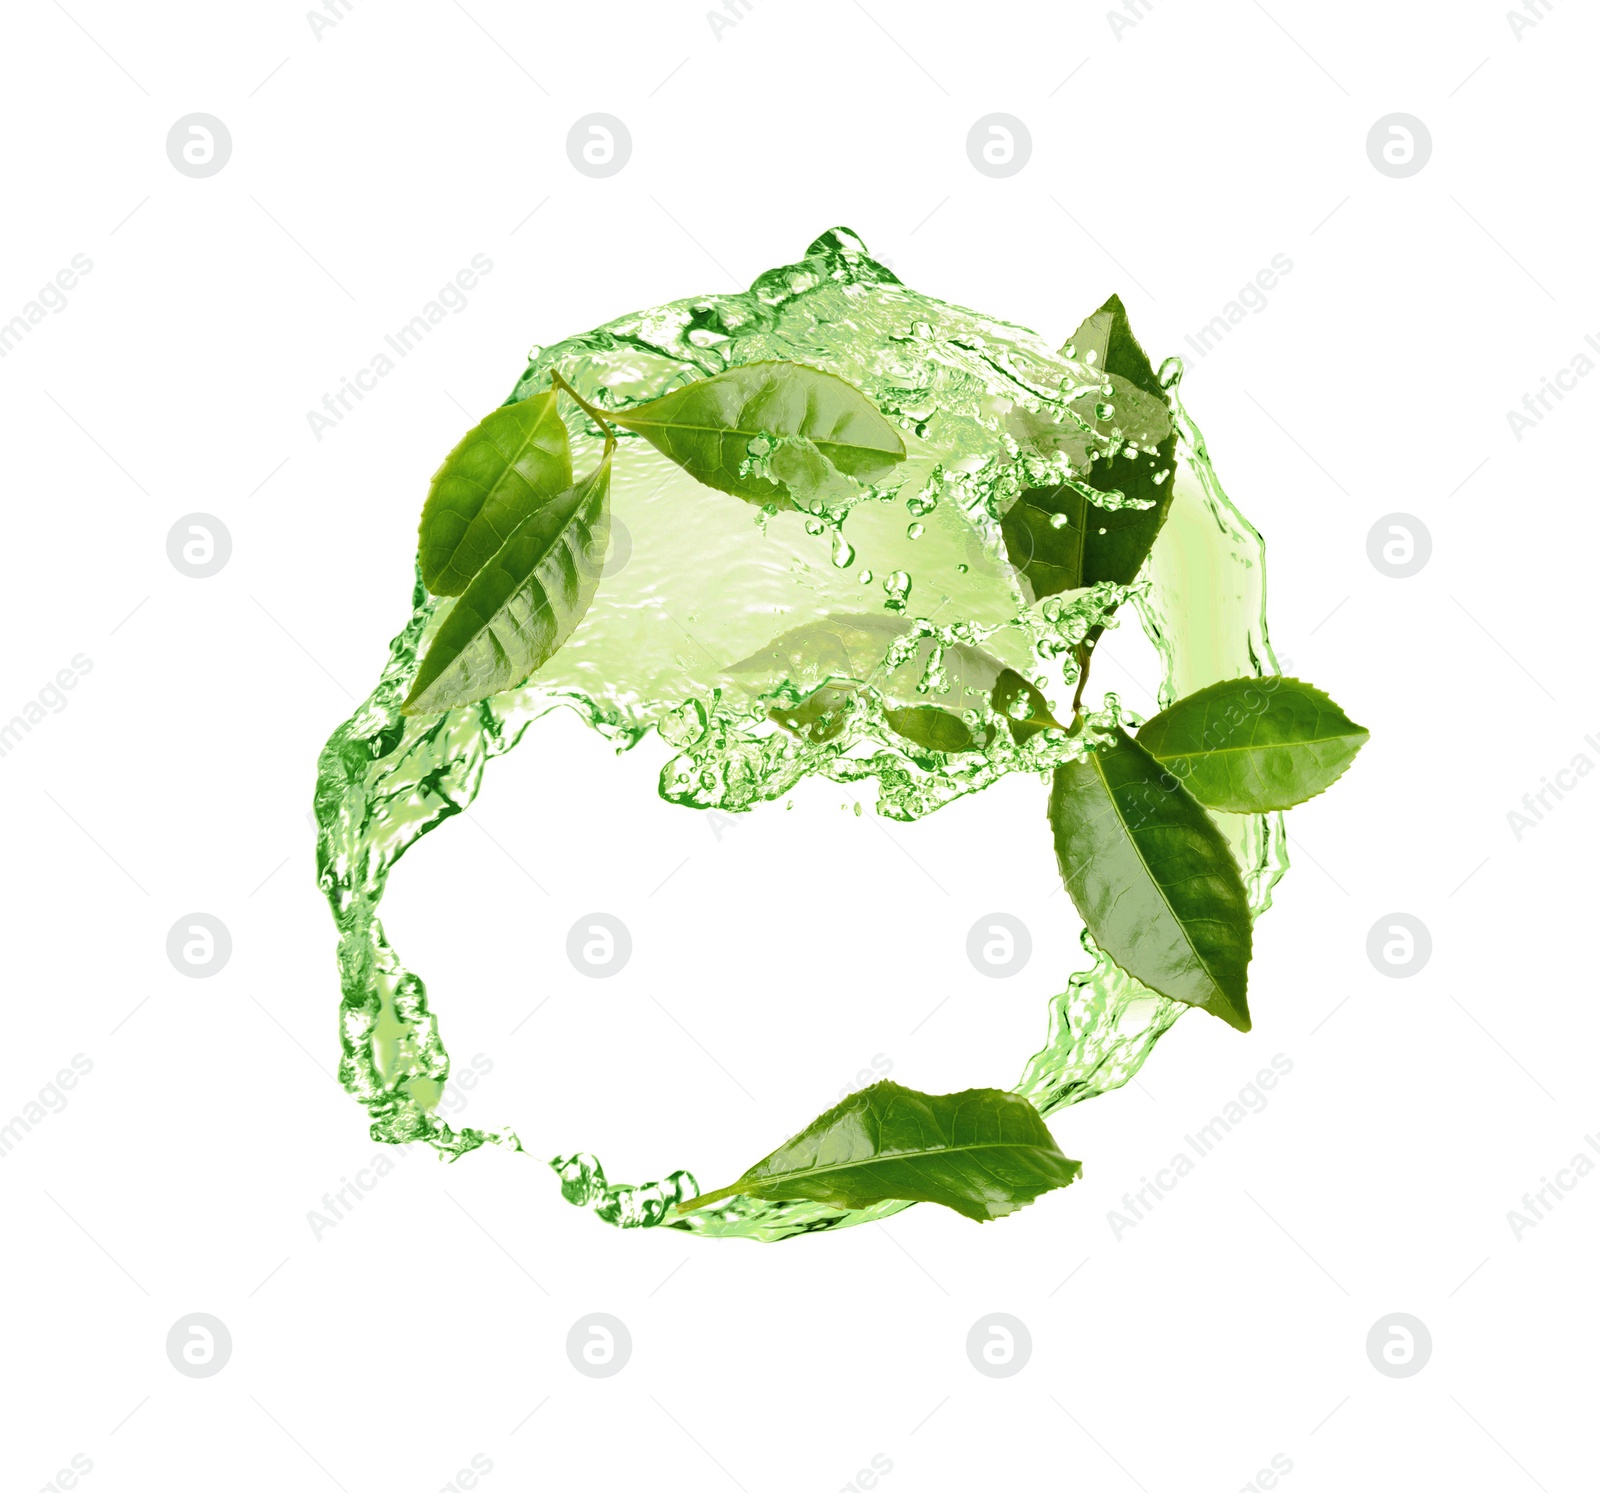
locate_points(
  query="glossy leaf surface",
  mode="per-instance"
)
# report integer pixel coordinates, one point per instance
(1062, 540)
(765, 431)
(1251, 745)
(504, 468)
(1153, 878)
(524, 604)
(982, 1152)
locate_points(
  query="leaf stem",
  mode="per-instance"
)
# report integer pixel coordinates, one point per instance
(585, 406)
(1083, 655)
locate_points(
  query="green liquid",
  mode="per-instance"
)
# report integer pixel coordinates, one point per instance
(719, 615)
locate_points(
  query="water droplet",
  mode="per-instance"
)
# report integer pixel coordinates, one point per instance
(914, 531)
(1058, 520)
(843, 552)
(897, 584)
(1104, 411)
(866, 577)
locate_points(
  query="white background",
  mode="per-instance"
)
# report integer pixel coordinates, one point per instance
(1169, 163)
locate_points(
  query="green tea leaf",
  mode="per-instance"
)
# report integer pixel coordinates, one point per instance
(1062, 540)
(983, 1152)
(819, 717)
(1250, 745)
(524, 604)
(795, 415)
(504, 468)
(1153, 878)
(1027, 712)
(929, 726)
(849, 652)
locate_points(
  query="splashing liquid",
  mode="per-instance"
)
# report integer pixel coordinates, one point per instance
(715, 622)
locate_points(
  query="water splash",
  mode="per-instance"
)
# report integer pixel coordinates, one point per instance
(768, 646)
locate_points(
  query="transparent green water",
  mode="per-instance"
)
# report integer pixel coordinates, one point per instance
(711, 615)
